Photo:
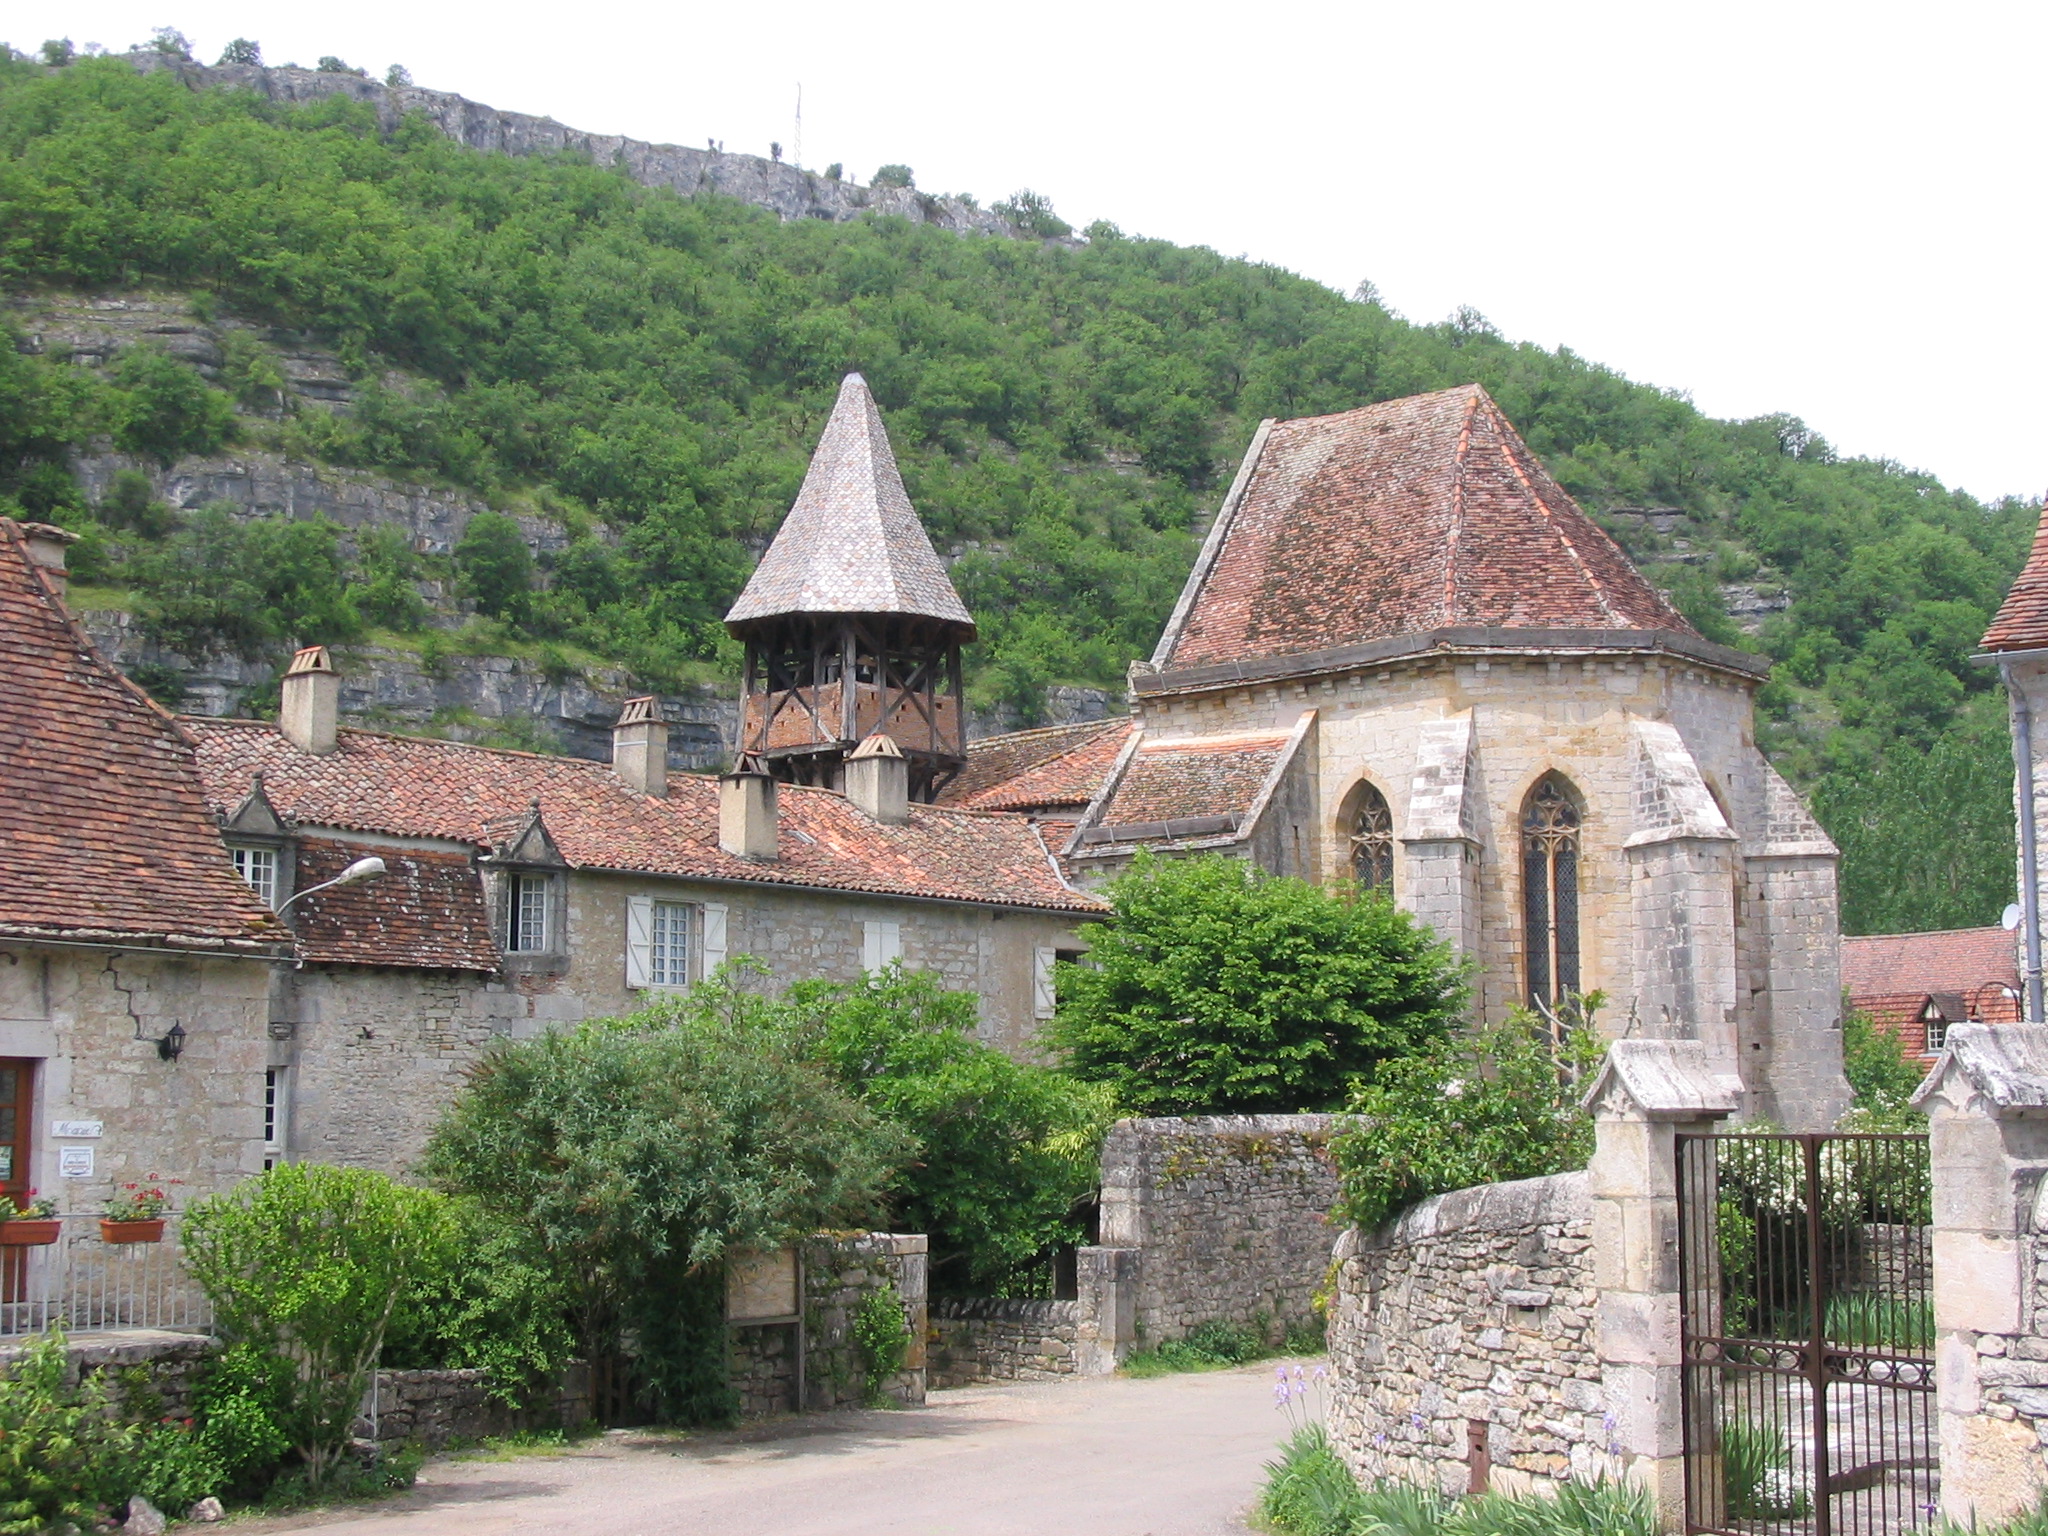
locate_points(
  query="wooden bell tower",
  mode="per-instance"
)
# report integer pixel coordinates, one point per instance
(850, 622)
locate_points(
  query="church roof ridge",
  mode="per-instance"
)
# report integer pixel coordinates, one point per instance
(852, 542)
(1404, 517)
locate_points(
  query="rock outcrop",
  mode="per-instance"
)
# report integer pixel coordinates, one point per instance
(789, 192)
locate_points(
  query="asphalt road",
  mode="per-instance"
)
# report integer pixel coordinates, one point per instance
(1172, 1456)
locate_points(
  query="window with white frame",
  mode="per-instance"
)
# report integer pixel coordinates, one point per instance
(672, 943)
(276, 1107)
(258, 866)
(880, 944)
(526, 913)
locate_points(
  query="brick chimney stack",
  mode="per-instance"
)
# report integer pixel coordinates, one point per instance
(878, 780)
(312, 701)
(640, 746)
(46, 549)
(747, 812)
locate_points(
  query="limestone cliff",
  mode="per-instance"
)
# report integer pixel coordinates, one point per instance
(789, 192)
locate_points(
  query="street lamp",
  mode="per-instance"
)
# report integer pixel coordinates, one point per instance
(355, 874)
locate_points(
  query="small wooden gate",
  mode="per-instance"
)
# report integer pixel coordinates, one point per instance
(1807, 1334)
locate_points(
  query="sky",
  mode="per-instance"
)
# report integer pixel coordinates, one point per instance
(1829, 210)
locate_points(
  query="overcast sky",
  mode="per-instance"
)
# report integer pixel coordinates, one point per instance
(1829, 210)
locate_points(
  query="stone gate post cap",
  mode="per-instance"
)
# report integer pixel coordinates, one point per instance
(1661, 1080)
(2004, 1064)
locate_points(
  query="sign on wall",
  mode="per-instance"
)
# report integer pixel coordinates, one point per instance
(74, 1162)
(761, 1286)
(70, 1130)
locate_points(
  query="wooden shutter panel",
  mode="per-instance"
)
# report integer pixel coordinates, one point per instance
(1044, 1000)
(713, 953)
(639, 940)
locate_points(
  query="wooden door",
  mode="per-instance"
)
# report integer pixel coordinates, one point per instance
(17, 1087)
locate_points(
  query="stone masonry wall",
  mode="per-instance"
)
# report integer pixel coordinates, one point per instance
(1464, 1332)
(1228, 1213)
(995, 1339)
(840, 1270)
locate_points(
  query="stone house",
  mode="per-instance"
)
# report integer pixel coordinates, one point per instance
(1406, 657)
(134, 967)
(2017, 642)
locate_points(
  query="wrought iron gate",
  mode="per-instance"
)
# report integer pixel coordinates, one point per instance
(1807, 1334)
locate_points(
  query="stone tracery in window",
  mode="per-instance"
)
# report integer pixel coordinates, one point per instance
(1372, 840)
(1550, 890)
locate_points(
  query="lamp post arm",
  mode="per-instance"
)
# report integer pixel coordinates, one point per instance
(362, 869)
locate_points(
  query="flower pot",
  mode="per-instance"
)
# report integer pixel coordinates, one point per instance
(28, 1232)
(150, 1231)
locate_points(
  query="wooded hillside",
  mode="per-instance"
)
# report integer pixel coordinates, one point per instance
(650, 371)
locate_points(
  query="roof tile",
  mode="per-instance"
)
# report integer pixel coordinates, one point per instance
(2021, 623)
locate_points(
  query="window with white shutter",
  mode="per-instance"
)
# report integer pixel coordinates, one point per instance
(713, 955)
(639, 939)
(1044, 1000)
(881, 943)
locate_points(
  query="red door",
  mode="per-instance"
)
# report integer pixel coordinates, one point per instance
(17, 1084)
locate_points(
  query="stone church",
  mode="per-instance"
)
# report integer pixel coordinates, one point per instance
(1405, 657)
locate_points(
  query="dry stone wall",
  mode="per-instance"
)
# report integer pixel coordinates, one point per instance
(839, 1273)
(1462, 1341)
(1229, 1214)
(997, 1339)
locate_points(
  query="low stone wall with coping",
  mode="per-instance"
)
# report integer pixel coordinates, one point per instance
(1462, 1342)
(840, 1269)
(991, 1339)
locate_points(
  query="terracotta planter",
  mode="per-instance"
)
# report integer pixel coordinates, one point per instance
(28, 1232)
(151, 1231)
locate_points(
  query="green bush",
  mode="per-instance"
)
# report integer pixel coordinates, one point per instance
(221, 583)
(496, 565)
(883, 1338)
(1308, 1489)
(1219, 989)
(1881, 1076)
(59, 1449)
(1498, 1102)
(164, 410)
(894, 176)
(243, 1404)
(1756, 1473)
(1006, 1152)
(631, 1156)
(307, 1262)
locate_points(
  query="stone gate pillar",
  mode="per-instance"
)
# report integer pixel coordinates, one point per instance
(1986, 1102)
(1646, 1092)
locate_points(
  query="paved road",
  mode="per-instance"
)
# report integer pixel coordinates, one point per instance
(1173, 1456)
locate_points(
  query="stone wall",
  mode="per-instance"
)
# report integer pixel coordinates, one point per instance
(1462, 1342)
(1227, 1214)
(153, 1370)
(996, 1339)
(839, 1271)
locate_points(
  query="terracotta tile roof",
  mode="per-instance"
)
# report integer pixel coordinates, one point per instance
(1960, 960)
(411, 786)
(1397, 519)
(852, 543)
(105, 831)
(1205, 776)
(2021, 623)
(1055, 765)
(426, 911)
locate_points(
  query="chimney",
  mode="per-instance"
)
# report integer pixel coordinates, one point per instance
(640, 746)
(878, 780)
(312, 697)
(746, 812)
(46, 545)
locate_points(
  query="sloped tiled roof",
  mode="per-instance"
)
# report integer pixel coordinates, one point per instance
(412, 786)
(1203, 776)
(426, 911)
(2021, 623)
(104, 834)
(852, 543)
(1396, 519)
(1957, 960)
(1053, 766)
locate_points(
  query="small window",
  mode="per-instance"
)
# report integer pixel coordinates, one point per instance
(668, 954)
(881, 943)
(258, 866)
(526, 914)
(1550, 891)
(274, 1112)
(1937, 1028)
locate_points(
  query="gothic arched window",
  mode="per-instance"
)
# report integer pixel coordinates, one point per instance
(1550, 890)
(1372, 840)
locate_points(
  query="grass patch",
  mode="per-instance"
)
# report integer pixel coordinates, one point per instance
(1218, 1346)
(528, 1442)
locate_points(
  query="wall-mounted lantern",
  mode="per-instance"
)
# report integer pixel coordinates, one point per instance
(172, 1045)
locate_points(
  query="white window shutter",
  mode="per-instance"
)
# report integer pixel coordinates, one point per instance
(1044, 1000)
(639, 939)
(714, 938)
(871, 947)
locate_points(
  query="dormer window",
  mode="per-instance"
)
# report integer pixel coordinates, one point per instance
(527, 907)
(258, 866)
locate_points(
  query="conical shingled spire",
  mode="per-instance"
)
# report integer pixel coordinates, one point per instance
(852, 543)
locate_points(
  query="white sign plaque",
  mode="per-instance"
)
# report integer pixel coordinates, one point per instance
(74, 1162)
(80, 1130)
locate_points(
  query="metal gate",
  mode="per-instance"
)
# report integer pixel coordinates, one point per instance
(1807, 1334)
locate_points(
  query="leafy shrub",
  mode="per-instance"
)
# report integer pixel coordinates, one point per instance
(164, 410)
(240, 51)
(58, 1446)
(307, 1262)
(1872, 1320)
(220, 583)
(894, 176)
(1499, 1102)
(1309, 1491)
(495, 564)
(1032, 212)
(1880, 1075)
(632, 1155)
(883, 1338)
(243, 1403)
(1006, 1151)
(1219, 989)
(1756, 1473)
